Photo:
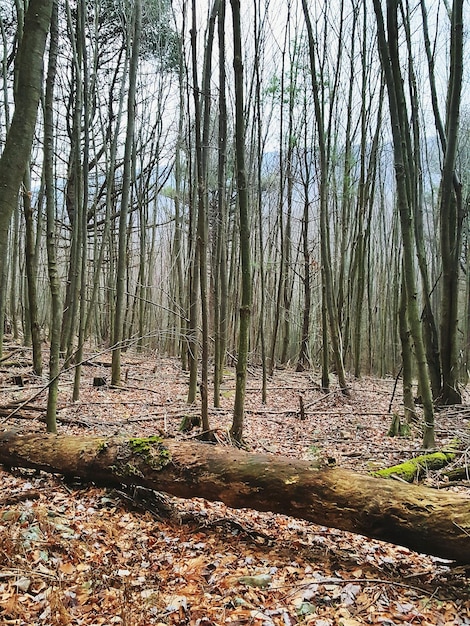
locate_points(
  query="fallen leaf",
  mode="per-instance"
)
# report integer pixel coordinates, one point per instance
(23, 584)
(67, 568)
(262, 580)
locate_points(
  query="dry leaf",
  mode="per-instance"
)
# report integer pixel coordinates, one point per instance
(67, 568)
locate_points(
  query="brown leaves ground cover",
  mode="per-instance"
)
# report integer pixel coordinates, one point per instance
(81, 555)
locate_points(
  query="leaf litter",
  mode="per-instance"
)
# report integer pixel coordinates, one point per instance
(75, 554)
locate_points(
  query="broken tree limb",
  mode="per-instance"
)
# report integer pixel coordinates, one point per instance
(419, 518)
(417, 466)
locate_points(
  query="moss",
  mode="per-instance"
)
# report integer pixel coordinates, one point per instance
(139, 454)
(131, 470)
(126, 470)
(102, 446)
(151, 450)
(143, 444)
(412, 468)
(398, 428)
(188, 422)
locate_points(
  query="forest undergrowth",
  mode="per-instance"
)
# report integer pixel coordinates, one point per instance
(78, 554)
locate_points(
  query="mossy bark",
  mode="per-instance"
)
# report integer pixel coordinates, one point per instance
(397, 428)
(422, 519)
(414, 468)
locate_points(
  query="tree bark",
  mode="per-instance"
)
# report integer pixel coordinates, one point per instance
(323, 138)
(260, 145)
(118, 331)
(429, 521)
(406, 358)
(451, 217)
(51, 225)
(220, 253)
(31, 265)
(389, 57)
(236, 430)
(20, 135)
(193, 248)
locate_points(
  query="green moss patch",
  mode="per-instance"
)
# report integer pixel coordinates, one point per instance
(138, 453)
(151, 450)
(413, 468)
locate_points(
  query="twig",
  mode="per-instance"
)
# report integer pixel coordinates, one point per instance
(20, 497)
(399, 478)
(302, 407)
(8, 356)
(347, 581)
(394, 389)
(346, 413)
(123, 388)
(270, 412)
(326, 395)
(462, 529)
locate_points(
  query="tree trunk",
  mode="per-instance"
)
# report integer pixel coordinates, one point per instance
(420, 518)
(193, 248)
(450, 209)
(303, 359)
(179, 296)
(83, 96)
(407, 359)
(20, 135)
(430, 335)
(202, 111)
(51, 227)
(451, 217)
(323, 136)
(280, 217)
(260, 145)
(236, 430)
(31, 265)
(73, 199)
(220, 266)
(389, 57)
(118, 334)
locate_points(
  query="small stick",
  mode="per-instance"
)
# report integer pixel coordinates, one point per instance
(302, 407)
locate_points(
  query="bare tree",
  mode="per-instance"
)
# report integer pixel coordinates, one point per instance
(125, 196)
(451, 214)
(16, 153)
(51, 235)
(323, 136)
(236, 431)
(389, 56)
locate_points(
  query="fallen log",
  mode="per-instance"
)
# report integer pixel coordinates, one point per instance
(423, 519)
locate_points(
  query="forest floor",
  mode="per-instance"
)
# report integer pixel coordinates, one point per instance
(83, 555)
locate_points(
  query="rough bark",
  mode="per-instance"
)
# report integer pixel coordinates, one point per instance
(236, 430)
(406, 358)
(420, 518)
(323, 138)
(451, 218)
(118, 333)
(52, 265)
(20, 135)
(389, 57)
(31, 265)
